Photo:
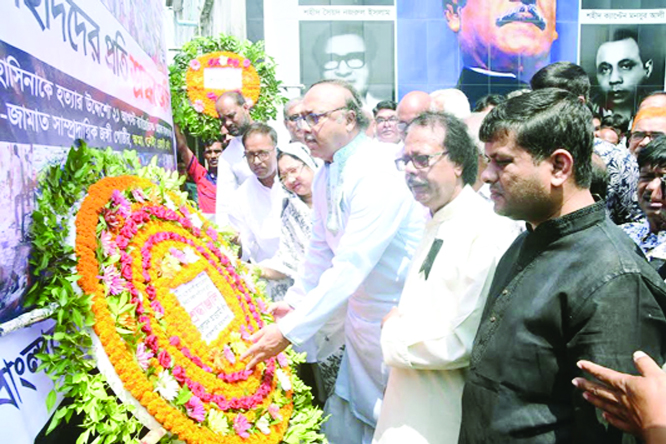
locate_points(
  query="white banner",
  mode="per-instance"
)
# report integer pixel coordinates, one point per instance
(23, 390)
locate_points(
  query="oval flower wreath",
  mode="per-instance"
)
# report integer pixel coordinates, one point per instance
(203, 99)
(173, 309)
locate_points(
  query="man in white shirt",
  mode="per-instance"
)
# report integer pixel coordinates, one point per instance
(365, 228)
(232, 170)
(426, 340)
(258, 201)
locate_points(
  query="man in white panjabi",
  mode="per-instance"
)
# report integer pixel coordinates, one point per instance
(258, 201)
(426, 341)
(232, 169)
(365, 228)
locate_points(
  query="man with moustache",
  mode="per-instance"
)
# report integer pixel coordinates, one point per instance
(258, 201)
(650, 232)
(572, 287)
(427, 339)
(233, 170)
(503, 42)
(649, 123)
(365, 227)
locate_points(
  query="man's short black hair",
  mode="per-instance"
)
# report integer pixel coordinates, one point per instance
(384, 104)
(488, 100)
(563, 75)
(654, 153)
(355, 103)
(260, 128)
(461, 149)
(543, 121)
(625, 34)
(617, 122)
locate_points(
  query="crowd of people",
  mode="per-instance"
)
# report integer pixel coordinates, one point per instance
(457, 275)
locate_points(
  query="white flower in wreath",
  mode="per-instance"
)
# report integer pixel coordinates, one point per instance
(169, 204)
(224, 60)
(167, 386)
(217, 422)
(190, 255)
(263, 425)
(196, 220)
(283, 379)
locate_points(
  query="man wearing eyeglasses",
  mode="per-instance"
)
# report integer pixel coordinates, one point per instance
(292, 113)
(410, 107)
(650, 233)
(257, 203)
(649, 123)
(427, 339)
(386, 121)
(365, 228)
(573, 286)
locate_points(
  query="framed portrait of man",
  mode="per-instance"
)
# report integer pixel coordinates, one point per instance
(360, 52)
(624, 65)
(482, 46)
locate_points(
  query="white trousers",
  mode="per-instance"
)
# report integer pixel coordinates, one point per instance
(342, 427)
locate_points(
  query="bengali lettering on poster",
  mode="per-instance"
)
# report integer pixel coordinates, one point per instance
(206, 306)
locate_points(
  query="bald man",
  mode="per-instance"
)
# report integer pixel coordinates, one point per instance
(410, 107)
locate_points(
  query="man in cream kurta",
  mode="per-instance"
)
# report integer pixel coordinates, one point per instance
(427, 340)
(256, 215)
(365, 229)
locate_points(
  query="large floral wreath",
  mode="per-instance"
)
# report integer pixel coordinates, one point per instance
(194, 107)
(170, 305)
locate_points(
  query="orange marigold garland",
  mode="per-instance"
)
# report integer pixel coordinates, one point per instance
(203, 99)
(135, 247)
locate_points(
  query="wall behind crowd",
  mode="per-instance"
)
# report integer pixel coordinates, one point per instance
(92, 71)
(388, 48)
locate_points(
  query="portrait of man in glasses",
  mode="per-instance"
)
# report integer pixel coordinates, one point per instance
(353, 52)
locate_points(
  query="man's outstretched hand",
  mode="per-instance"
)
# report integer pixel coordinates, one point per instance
(268, 342)
(634, 404)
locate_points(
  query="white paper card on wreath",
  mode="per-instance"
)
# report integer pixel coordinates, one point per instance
(206, 306)
(223, 78)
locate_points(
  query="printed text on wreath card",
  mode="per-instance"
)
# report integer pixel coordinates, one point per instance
(206, 306)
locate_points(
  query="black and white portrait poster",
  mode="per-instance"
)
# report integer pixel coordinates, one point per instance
(360, 52)
(621, 48)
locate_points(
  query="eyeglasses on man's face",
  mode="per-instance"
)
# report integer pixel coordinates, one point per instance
(637, 136)
(313, 119)
(390, 120)
(294, 118)
(353, 60)
(261, 155)
(420, 161)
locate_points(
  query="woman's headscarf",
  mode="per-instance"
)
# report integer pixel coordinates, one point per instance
(302, 153)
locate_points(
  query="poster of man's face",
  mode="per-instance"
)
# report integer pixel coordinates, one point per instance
(359, 52)
(504, 36)
(624, 64)
(485, 46)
